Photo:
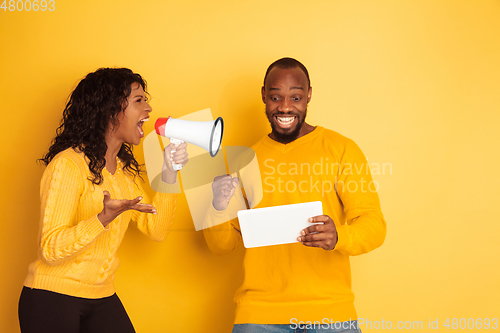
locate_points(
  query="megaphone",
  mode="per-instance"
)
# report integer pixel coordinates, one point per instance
(204, 134)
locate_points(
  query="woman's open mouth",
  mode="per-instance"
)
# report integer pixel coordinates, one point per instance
(139, 126)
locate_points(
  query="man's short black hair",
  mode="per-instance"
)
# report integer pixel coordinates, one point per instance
(286, 63)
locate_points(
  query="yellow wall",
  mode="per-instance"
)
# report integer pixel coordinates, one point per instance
(414, 83)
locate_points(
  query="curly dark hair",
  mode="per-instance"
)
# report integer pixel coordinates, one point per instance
(94, 103)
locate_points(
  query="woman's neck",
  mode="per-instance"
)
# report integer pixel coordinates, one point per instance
(114, 147)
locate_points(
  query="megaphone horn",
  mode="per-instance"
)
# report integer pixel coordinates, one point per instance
(204, 134)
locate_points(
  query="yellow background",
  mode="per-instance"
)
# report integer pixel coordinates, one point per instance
(415, 83)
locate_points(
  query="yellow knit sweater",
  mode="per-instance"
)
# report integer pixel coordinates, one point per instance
(77, 255)
(286, 284)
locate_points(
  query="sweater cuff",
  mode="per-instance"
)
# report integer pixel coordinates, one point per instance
(343, 238)
(168, 188)
(95, 227)
(215, 217)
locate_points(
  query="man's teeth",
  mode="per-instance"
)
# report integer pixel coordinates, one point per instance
(285, 120)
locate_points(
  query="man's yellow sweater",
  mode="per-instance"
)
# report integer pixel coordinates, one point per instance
(286, 284)
(77, 255)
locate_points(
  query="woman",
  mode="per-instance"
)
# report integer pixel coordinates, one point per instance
(90, 191)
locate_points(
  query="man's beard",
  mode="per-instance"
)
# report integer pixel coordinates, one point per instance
(286, 138)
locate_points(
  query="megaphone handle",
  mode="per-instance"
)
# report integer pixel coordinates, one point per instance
(176, 142)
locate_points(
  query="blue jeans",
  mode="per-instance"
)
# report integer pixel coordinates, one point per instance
(344, 327)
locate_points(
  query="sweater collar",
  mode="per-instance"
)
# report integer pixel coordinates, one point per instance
(303, 139)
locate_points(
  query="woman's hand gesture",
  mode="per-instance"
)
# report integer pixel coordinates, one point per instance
(114, 207)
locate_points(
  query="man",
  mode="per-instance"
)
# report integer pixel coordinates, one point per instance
(304, 285)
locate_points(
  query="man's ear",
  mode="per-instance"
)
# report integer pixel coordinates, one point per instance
(263, 92)
(309, 94)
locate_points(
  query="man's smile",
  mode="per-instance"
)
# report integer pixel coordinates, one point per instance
(285, 121)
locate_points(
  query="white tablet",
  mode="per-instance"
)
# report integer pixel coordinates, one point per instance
(276, 225)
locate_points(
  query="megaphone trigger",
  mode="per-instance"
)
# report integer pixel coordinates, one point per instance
(177, 142)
